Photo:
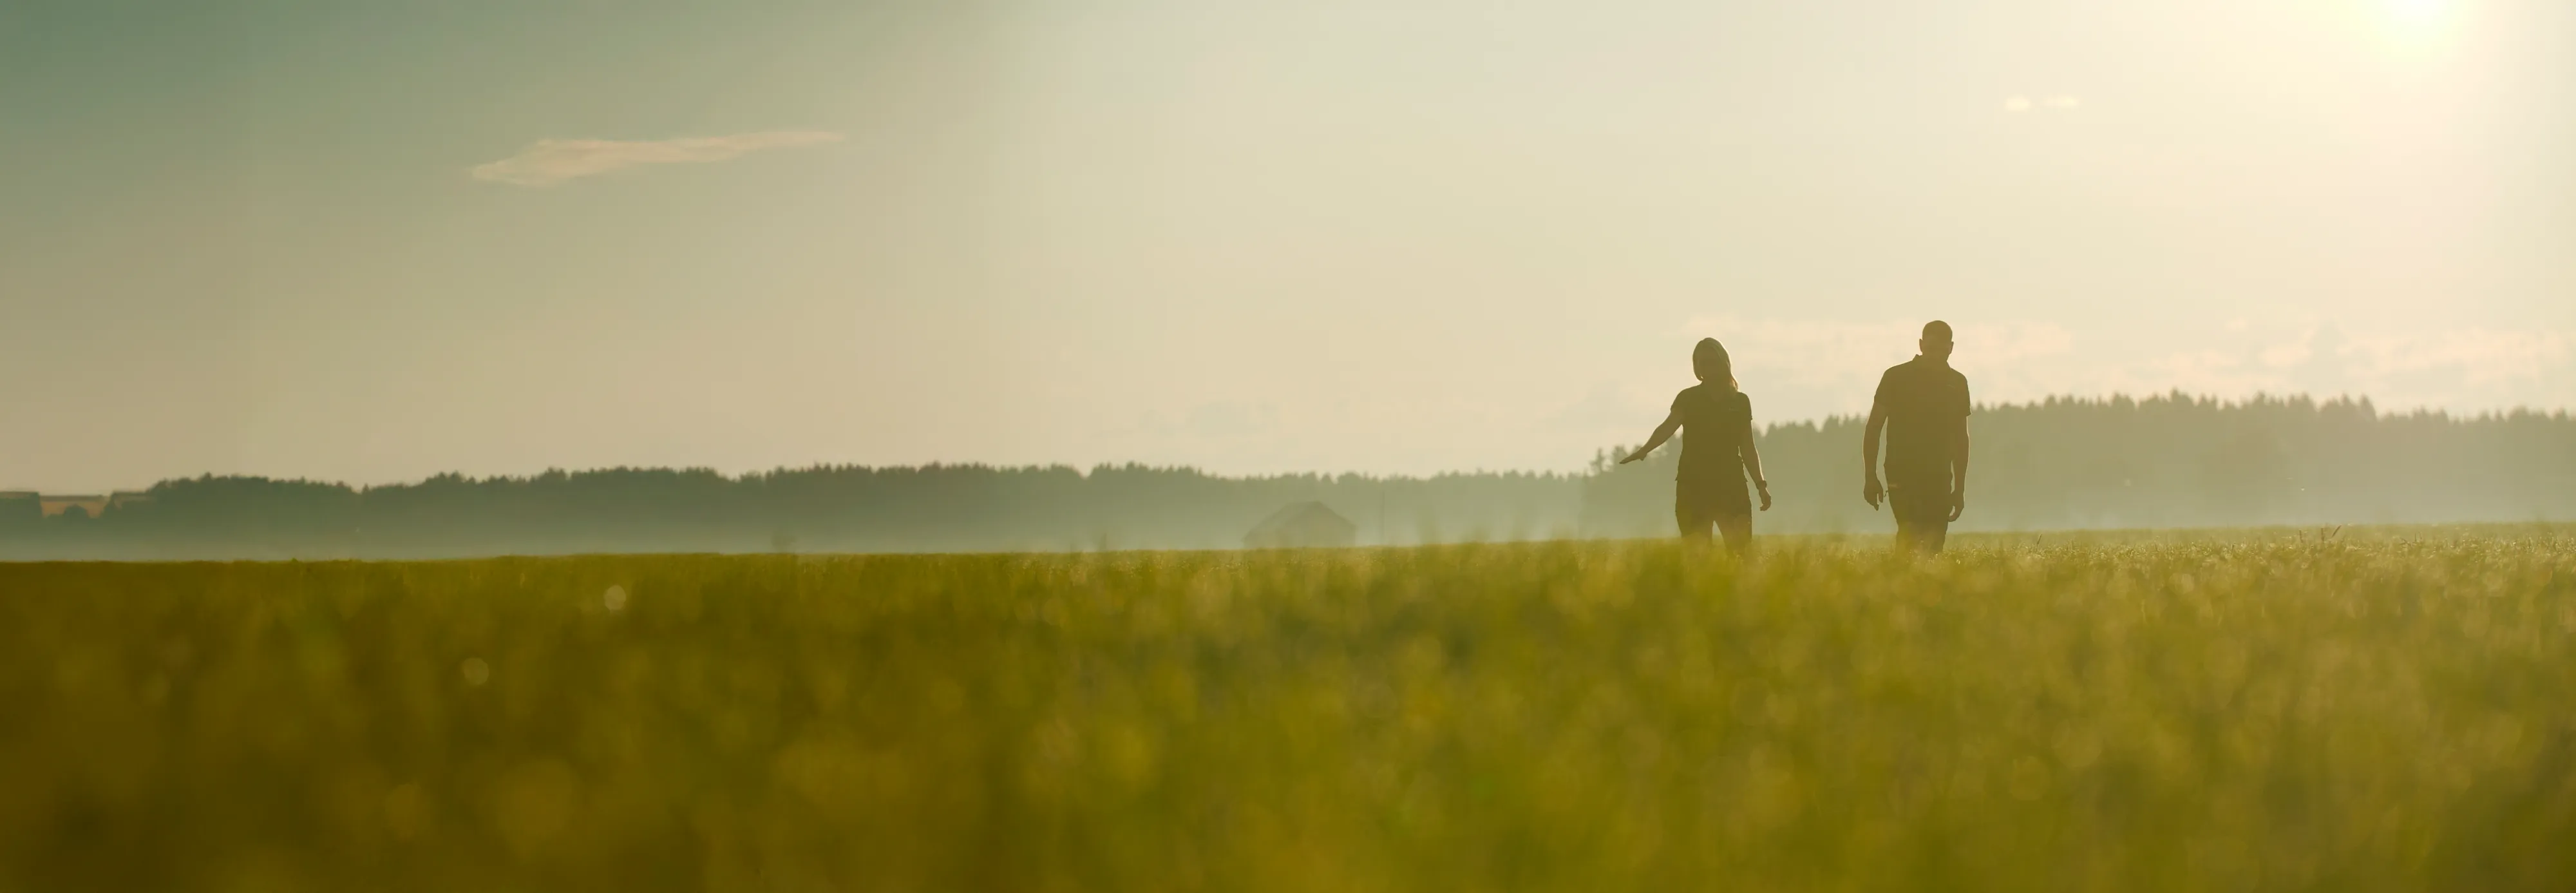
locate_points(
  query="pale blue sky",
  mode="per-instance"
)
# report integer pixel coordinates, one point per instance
(370, 241)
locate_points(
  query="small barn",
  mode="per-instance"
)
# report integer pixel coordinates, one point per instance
(1302, 525)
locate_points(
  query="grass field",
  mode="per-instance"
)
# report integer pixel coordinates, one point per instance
(2378, 710)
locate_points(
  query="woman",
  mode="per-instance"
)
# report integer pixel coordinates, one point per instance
(1717, 452)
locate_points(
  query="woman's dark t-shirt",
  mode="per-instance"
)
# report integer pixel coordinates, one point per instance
(1714, 419)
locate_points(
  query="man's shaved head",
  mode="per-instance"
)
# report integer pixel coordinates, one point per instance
(1936, 340)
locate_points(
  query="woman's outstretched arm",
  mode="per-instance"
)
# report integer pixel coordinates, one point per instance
(1663, 433)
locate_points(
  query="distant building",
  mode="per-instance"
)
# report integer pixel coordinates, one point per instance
(1302, 525)
(57, 506)
(29, 504)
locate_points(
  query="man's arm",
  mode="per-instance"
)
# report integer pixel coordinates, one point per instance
(1959, 470)
(1663, 433)
(1871, 491)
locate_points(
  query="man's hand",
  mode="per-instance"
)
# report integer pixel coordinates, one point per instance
(1764, 488)
(1872, 492)
(1958, 504)
(1632, 457)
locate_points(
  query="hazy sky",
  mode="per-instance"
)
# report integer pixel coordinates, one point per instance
(370, 241)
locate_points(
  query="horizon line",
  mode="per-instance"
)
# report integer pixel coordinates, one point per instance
(2176, 395)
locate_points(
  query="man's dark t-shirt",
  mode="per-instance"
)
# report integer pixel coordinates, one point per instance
(1925, 402)
(1714, 419)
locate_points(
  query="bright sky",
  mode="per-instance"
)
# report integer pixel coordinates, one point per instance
(374, 241)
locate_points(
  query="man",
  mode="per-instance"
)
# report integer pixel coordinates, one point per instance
(1922, 404)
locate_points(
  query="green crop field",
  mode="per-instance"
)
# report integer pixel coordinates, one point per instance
(2373, 710)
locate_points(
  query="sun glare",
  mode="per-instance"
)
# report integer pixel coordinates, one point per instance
(2417, 27)
(2416, 13)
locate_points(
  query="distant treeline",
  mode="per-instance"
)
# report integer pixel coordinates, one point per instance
(939, 508)
(2168, 461)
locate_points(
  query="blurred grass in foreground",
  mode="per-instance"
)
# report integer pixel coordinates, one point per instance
(2389, 710)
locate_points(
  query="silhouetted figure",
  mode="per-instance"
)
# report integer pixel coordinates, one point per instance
(1923, 405)
(1717, 452)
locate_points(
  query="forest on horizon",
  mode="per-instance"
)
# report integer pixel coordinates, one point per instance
(2063, 463)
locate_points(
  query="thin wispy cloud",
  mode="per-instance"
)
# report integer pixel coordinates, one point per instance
(2477, 356)
(2020, 104)
(1823, 366)
(551, 161)
(1822, 353)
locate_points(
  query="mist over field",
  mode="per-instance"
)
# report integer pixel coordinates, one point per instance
(2158, 463)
